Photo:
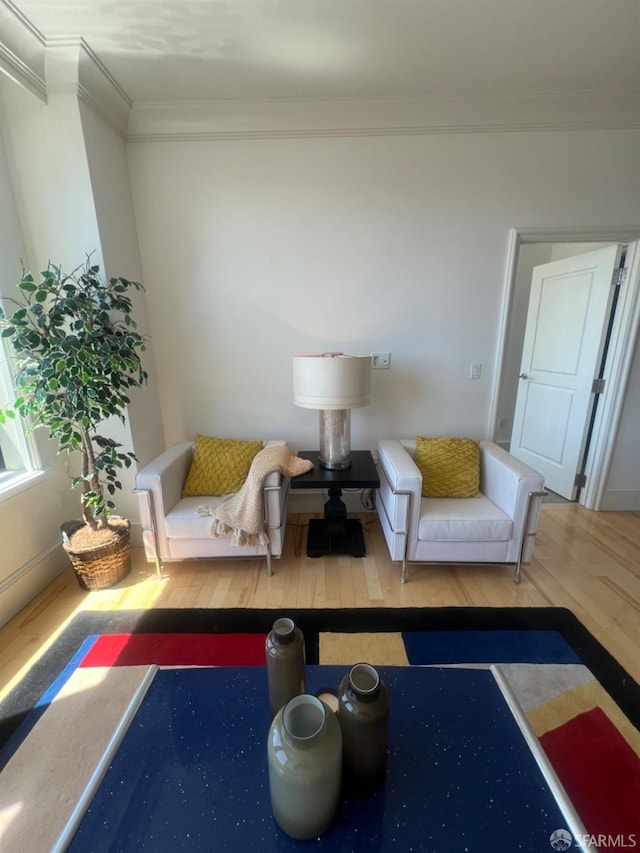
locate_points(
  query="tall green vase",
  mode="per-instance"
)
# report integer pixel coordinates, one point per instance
(285, 659)
(363, 713)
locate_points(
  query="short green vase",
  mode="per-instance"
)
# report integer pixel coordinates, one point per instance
(305, 767)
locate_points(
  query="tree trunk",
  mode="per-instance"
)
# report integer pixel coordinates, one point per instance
(93, 485)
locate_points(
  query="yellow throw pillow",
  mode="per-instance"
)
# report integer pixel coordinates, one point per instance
(220, 465)
(450, 467)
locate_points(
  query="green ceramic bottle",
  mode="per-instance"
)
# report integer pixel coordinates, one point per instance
(305, 767)
(363, 714)
(285, 657)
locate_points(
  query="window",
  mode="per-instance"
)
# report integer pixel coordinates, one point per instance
(17, 456)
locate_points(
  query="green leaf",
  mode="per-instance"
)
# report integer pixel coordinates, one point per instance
(8, 332)
(27, 284)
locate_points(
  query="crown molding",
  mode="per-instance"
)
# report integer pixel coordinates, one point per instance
(73, 67)
(22, 19)
(59, 64)
(232, 120)
(21, 73)
(89, 63)
(22, 50)
(430, 130)
(592, 234)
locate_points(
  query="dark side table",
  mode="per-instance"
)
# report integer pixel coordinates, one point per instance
(335, 533)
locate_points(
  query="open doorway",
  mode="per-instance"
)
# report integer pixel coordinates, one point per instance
(528, 251)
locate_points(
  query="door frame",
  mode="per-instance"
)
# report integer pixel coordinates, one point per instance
(623, 340)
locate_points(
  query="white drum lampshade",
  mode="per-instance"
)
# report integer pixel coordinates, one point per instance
(333, 383)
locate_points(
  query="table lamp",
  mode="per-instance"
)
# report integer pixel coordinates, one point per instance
(334, 383)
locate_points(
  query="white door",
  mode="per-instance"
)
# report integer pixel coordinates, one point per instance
(566, 327)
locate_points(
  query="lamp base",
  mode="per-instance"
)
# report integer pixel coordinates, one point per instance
(335, 439)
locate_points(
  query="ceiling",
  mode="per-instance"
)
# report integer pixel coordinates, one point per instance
(195, 50)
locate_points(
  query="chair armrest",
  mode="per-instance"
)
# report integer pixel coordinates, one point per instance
(515, 487)
(399, 496)
(503, 478)
(398, 466)
(164, 477)
(276, 493)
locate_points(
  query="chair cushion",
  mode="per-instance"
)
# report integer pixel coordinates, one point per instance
(220, 465)
(453, 520)
(450, 467)
(185, 521)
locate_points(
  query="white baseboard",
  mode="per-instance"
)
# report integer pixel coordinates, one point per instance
(621, 500)
(22, 585)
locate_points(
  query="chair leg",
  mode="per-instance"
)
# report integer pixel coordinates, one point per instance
(516, 573)
(159, 575)
(269, 566)
(154, 532)
(541, 494)
(403, 574)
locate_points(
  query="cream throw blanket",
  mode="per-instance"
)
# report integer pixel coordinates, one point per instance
(242, 515)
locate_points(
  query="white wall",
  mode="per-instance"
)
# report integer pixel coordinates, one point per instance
(30, 552)
(254, 250)
(111, 194)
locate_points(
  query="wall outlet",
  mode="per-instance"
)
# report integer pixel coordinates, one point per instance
(475, 370)
(380, 360)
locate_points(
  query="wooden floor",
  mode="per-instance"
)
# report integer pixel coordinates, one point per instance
(586, 561)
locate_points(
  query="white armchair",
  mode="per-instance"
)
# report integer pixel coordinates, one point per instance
(174, 530)
(498, 526)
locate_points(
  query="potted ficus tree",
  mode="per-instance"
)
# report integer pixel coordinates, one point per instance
(77, 355)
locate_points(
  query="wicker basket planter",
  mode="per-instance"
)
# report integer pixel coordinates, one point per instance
(101, 565)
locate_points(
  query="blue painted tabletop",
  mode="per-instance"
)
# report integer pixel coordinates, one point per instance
(191, 771)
